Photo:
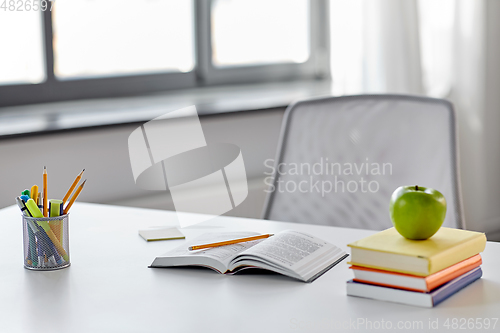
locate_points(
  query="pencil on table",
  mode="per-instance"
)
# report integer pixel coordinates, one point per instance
(228, 242)
(72, 187)
(73, 198)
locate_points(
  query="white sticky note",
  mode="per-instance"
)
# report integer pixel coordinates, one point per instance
(161, 234)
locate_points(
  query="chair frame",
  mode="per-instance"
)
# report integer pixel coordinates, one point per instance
(456, 184)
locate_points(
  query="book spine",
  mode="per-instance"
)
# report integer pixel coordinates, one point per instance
(390, 285)
(455, 285)
(457, 254)
(437, 279)
(392, 269)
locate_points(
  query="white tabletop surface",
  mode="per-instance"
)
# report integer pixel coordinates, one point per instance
(109, 287)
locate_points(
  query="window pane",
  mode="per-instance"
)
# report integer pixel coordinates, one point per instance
(346, 38)
(249, 32)
(436, 45)
(113, 37)
(21, 42)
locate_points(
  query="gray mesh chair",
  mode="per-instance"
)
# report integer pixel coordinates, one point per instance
(340, 158)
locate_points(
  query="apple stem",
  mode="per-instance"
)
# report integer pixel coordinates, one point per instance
(416, 187)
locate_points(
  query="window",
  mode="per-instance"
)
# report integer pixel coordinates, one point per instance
(156, 36)
(76, 49)
(249, 32)
(21, 43)
(367, 48)
(436, 40)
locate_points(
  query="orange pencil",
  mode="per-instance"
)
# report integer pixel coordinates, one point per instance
(75, 182)
(229, 242)
(45, 203)
(73, 198)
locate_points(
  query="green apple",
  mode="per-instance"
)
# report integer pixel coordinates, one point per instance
(417, 212)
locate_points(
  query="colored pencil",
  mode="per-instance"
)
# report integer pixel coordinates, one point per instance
(72, 187)
(73, 198)
(45, 201)
(228, 242)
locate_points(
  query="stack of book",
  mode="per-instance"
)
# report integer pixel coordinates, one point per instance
(389, 267)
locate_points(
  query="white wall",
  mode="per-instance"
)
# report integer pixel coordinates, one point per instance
(104, 154)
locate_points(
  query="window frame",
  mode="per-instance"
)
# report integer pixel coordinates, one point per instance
(317, 65)
(203, 74)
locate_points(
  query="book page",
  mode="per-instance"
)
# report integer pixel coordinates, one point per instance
(223, 254)
(288, 247)
(292, 253)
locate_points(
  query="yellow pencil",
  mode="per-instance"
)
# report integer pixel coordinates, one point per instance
(75, 182)
(73, 198)
(229, 242)
(45, 201)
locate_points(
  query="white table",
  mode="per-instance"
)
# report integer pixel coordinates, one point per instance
(109, 287)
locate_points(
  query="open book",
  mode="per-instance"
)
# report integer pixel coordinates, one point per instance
(292, 253)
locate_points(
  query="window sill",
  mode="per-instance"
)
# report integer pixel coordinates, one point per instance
(63, 116)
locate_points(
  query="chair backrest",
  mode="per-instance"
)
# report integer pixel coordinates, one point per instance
(340, 158)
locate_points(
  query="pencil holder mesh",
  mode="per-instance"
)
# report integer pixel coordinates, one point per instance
(46, 242)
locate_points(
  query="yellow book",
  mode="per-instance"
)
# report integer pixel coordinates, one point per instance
(388, 250)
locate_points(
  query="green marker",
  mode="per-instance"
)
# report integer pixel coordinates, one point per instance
(55, 208)
(35, 212)
(26, 192)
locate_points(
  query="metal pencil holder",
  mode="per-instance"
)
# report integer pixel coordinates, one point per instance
(46, 242)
